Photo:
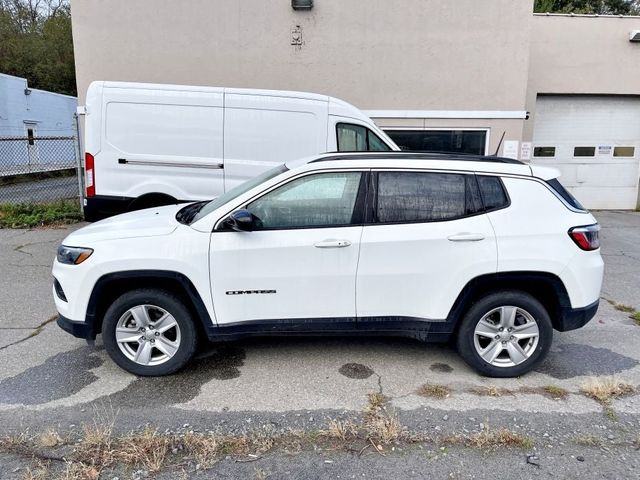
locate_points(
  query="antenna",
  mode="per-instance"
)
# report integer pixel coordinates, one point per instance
(500, 144)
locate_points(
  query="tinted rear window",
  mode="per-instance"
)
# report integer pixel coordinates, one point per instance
(406, 197)
(493, 193)
(570, 199)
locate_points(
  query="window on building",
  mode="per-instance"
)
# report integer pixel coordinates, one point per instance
(624, 151)
(584, 152)
(544, 151)
(408, 197)
(455, 141)
(356, 138)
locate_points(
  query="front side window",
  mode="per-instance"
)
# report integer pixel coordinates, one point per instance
(356, 138)
(408, 197)
(317, 200)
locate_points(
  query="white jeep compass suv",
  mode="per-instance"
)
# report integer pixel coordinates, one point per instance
(489, 252)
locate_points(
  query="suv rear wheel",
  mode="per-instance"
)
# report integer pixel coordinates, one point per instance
(505, 334)
(149, 332)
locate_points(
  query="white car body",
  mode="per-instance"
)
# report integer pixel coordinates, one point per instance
(153, 144)
(405, 278)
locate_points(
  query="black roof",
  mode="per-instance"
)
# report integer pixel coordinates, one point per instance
(411, 155)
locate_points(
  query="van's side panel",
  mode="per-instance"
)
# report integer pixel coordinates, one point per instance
(161, 141)
(262, 131)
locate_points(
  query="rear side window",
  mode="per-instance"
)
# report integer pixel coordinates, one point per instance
(564, 193)
(408, 197)
(356, 138)
(493, 193)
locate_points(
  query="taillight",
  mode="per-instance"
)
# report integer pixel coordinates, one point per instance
(587, 237)
(90, 175)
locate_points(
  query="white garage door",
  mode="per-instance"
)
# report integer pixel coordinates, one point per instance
(595, 142)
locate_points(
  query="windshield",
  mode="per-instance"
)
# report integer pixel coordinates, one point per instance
(237, 191)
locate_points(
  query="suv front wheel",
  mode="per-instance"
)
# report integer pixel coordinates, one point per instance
(149, 332)
(505, 334)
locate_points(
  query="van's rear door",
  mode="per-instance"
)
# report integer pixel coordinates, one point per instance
(161, 139)
(262, 130)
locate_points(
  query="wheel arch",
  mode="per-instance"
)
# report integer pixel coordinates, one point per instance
(546, 287)
(112, 285)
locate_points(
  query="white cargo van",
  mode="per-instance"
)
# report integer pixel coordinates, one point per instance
(149, 144)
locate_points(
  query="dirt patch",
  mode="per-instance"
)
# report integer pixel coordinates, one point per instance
(441, 368)
(356, 371)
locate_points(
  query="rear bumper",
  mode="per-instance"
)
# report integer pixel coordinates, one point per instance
(574, 318)
(77, 329)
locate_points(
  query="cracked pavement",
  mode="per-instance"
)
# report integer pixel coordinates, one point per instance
(50, 379)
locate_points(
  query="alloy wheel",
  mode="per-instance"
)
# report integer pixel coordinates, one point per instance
(506, 336)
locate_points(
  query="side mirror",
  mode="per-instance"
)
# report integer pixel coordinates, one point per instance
(239, 221)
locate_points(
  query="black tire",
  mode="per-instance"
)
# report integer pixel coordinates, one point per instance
(166, 301)
(465, 338)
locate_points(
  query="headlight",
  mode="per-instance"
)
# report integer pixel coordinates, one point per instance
(73, 255)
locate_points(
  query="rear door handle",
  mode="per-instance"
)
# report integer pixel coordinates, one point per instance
(332, 244)
(466, 237)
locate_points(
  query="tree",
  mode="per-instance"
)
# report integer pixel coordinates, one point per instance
(36, 43)
(600, 7)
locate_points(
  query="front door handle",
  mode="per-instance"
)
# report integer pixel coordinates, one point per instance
(332, 244)
(466, 237)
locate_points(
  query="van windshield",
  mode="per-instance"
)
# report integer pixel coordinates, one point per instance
(235, 192)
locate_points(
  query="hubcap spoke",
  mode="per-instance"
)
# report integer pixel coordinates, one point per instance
(166, 346)
(492, 351)
(127, 335)
(508, 316)
(516, 353)
(143, 354)
(486, 329)
(140, 315)
(528, 330)
(165, 323)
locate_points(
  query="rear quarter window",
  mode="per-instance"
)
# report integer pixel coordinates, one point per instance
(564, 193)
(494, 195)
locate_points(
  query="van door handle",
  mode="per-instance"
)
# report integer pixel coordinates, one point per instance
(466, 237)
(332, 244)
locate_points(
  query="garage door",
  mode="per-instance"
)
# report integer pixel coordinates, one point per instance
(595, 142)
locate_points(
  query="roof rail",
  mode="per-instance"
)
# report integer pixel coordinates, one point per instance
(416, 155)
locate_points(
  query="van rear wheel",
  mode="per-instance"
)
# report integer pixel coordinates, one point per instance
(151, 200)
(505, 334)
(149, 332)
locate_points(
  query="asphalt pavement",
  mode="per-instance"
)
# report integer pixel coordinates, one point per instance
(49, 379)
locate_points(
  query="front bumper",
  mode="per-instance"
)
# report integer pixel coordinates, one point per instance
(77, 329)
(574, 318)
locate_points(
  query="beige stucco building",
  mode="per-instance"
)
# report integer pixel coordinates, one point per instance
(437, 75)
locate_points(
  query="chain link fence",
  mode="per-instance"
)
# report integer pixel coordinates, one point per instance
(37, 169)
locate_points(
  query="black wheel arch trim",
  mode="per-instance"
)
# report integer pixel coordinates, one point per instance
(186, 284)
(546, 287)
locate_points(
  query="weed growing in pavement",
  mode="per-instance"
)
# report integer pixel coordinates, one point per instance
(636, 317)
(381, 426)
(623, 308)
(431, 390)
(555, 392)
(604, 389)
(587, 440)
(38, 470)
(50, 438)
(491, 439)
(341, 429)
